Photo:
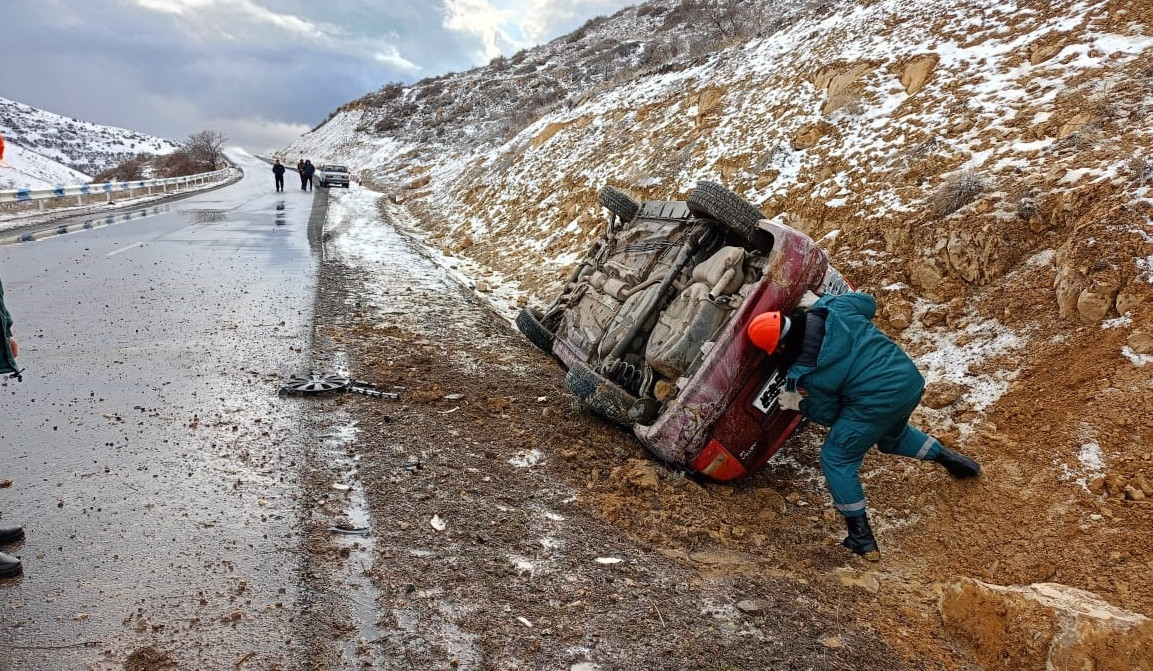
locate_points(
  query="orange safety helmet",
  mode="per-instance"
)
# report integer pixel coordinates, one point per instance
(767, 329)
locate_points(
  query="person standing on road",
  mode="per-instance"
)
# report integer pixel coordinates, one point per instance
(9, 566)
(278, 172)
(309, 169)
(300, 172)
(846, 374)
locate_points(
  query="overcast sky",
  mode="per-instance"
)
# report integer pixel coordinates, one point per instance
(260, 71)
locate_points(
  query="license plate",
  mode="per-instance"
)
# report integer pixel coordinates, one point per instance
(766, 398)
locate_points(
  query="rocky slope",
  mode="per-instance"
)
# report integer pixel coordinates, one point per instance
(982, 167)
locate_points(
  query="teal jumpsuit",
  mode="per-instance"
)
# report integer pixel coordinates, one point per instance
(864, 388)
(7, 361)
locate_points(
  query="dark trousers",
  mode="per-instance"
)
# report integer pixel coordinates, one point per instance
(280, 182)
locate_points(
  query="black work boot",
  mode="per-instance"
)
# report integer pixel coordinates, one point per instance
(11, 534)
(958, 465)
(860, 539)
(9, 566)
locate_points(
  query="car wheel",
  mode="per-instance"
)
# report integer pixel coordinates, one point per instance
(618, 202)
(601, 395)
(537, 334)
(714, 201)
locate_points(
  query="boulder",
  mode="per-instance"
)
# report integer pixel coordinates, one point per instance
(1045, 626)
(1141, 342)
(942, 393)
(916, 71)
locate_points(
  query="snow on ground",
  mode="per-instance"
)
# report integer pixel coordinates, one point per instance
(364, 240)
(29, 170)
(1090, 460)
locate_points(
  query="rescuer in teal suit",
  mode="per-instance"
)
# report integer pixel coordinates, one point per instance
(849, 376)
(9, 566)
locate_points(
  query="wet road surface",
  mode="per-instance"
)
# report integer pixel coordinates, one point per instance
(150, 457)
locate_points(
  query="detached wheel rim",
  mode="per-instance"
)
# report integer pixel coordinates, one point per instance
(315, 384)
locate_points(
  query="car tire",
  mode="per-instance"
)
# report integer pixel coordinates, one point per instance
(618, 202)
(600, 395)
(714, 201)
(528, 324)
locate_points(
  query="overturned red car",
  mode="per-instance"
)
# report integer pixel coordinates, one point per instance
(651, 325)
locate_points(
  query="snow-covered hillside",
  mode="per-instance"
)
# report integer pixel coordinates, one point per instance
(27, 169)
(982, 166)
(83, 147)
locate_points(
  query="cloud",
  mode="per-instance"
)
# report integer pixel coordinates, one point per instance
(507, 26)
(545, 19)
(260, 135)
(480, 19)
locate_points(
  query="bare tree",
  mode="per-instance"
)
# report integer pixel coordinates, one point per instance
(205, 148)
(733, 19)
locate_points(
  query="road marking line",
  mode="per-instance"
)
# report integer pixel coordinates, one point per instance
(124, 249)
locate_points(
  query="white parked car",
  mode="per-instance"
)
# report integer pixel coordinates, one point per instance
(331, 174)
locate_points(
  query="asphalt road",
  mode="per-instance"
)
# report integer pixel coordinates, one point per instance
(148, 453)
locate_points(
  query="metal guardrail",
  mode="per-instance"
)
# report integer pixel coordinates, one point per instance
(107, 188)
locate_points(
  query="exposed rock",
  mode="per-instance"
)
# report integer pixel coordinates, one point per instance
(1074, 124)
(708, 103)
(1046, 47)
(941, 394)
(1093, 304)
(915, 72)
(842, 83)
(1140, 342)
(1045, 626)
(638, 473)
(1067, 288)
(925, 275)
(898, 313)
(809, 135)
(1130, 298)
(865, 581)
(964, 252)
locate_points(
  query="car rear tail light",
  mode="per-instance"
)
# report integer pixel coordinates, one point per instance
(718, 463)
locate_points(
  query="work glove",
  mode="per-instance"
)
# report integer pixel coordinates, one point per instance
(789, 400)
(807, 300)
